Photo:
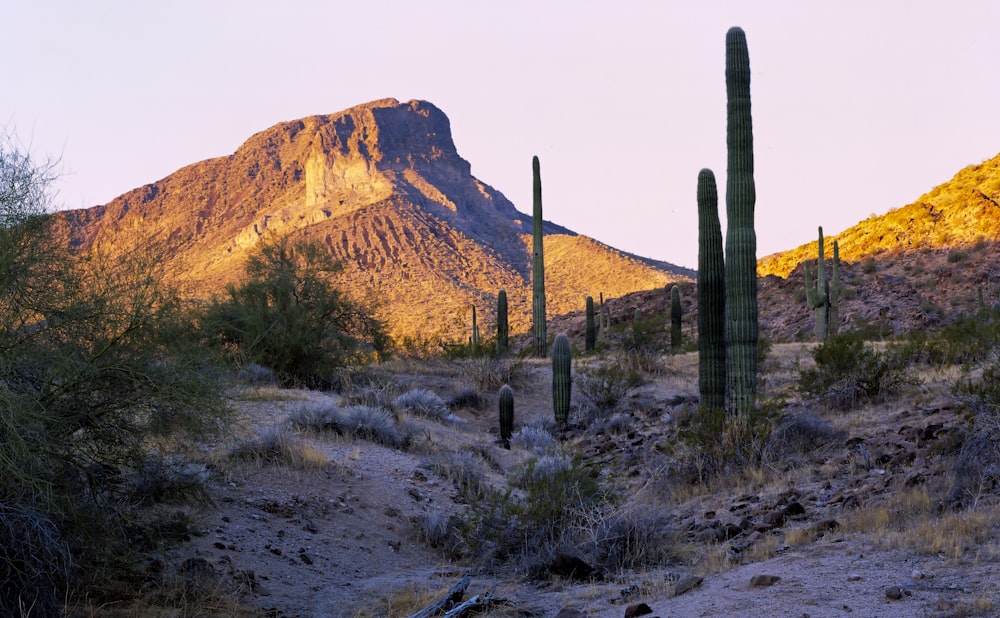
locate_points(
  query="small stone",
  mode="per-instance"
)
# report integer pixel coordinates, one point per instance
(570, 612)
(687, 584)
(893, 593)
(944, 605)
(763, 581)
(854, 577)
(637, 609)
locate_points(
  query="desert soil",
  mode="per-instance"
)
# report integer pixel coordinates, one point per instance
(342, 540)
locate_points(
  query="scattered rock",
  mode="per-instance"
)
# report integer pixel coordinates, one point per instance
(570, 612)
(893, 593)
(637, 609)
(687, 584)
(763, 581)
(572, 567)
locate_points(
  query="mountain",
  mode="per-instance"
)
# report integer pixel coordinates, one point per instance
(915, 267)
(384, 188)
(959, 213)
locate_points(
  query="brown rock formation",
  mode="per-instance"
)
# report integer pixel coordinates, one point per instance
(382, 185)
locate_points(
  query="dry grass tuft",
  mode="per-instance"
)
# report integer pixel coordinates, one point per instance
(277, 445)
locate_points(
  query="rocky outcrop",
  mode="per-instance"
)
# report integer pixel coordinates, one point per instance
(383, 186)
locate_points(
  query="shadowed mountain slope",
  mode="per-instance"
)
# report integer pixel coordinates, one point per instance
(383, 186)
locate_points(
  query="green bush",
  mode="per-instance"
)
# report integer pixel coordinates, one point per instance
(556, 495)
(850, 373)
(289, 316)
(98, 367)
(604, 386)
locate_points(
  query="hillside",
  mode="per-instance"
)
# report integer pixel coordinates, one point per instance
(384, 188)
(959, 213)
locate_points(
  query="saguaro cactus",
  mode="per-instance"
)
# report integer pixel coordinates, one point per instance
(538, 265)
(474, 340)
(741, 239)
(561, 380)
(817, 293)
(676, 314)
(711, 297)
(506, 403)
(590, 339)
(503, 330)
(834, 317)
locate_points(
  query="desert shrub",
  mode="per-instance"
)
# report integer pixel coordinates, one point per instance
(532, 437)
(556, 495)
(637, 363)
(439, 530)
(849, 373)
(277, 445)
(464, 469)
(489, 374)
(801, 434)
(614, 424)
(171, 479)
(630, 539)
(467, 397)
(364, 422)
(35, 563)
(257, 375)
(869, 266)
(957, 255)
(290, 317)
(604, 387)
(98, 366)
(977, 468)
(968, 339)
(711, 443)
(422, 402)
(374, 392)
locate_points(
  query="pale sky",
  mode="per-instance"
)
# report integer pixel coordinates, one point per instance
(859, 106)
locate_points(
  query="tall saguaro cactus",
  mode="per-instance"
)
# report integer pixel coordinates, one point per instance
(590, 338)
(503, 329)
(817, 293)
(834, 317)
(538, 265)
(562, 360)
(676, 314)
(741, 239)
(711, 297)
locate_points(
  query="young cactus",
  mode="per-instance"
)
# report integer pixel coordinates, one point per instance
(506, 402)
(590, 339)
(676, 314)
(741, 239)
(503, 331)
(817, 293)
(538, 265)
(711, 297)
(475, 333)
(562, 358)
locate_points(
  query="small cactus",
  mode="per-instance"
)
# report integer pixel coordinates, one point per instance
(506, 402)
(562, 358)
(834, 317)
(591, 333)
(474, 340)
(676, 314)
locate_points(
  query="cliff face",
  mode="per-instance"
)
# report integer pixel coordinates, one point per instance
(384, 188)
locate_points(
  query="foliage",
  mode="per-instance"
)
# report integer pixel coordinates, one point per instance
(977, 468)
(555, 495)
(968, 339)
(97, 367)
(289, 316)
(849, 373)
(604, 386)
